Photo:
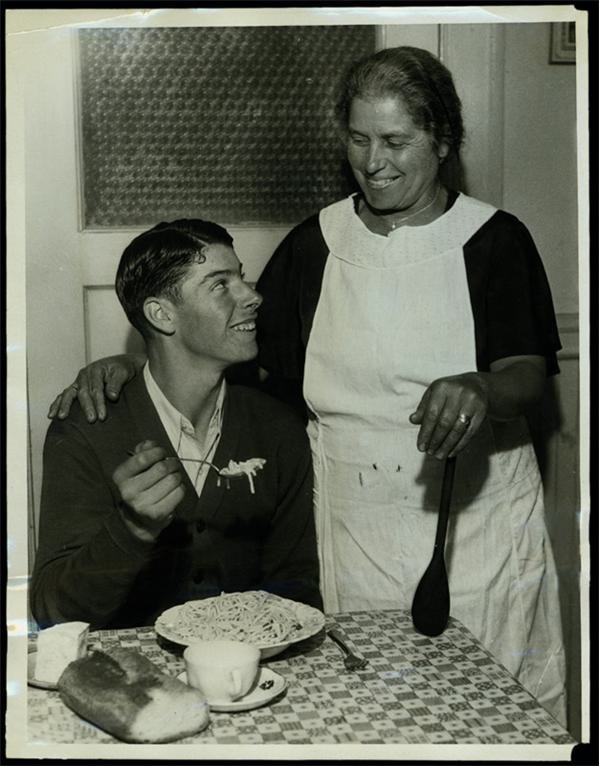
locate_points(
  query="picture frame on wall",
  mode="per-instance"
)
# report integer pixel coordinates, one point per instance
(562, 42)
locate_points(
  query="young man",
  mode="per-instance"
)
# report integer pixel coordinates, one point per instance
(135, 513)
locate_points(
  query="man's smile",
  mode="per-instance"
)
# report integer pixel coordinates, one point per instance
(246, 325)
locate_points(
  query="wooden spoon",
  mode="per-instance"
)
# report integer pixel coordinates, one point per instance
(431, 602)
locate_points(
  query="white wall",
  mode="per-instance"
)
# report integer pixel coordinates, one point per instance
(540, 172)
(540, 187)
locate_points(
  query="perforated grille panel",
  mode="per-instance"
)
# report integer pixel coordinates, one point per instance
(231, 124)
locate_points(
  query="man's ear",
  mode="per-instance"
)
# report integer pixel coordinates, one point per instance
(159, 313)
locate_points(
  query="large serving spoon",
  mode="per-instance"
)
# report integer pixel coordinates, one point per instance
(431, 602)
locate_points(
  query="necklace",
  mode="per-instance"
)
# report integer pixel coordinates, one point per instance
(393, 224)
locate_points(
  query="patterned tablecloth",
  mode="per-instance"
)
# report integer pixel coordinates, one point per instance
(443, 690)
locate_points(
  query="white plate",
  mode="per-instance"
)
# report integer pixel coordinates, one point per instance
(267, 686)
(31, 670)
(311, 621)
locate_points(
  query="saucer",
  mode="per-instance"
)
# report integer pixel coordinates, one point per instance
(267, 686)
(30, 671)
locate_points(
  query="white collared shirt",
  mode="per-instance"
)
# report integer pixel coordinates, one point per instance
(182, 434)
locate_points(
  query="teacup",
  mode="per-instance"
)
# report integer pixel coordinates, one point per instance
(222, 670)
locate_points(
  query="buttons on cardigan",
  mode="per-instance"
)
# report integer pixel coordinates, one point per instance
(200, 526)
(198, 577)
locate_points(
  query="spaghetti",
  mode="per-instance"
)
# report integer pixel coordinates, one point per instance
(248, 467)
(255, 617)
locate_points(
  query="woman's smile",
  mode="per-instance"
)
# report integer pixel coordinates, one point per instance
(380, 183)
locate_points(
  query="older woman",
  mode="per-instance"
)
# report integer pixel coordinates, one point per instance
(418, 324)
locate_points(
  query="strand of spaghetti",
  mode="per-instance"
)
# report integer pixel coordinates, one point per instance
(253, 616)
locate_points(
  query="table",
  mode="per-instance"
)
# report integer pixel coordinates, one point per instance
(443, 690)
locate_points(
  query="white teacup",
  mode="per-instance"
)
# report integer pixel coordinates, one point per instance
(222, 670)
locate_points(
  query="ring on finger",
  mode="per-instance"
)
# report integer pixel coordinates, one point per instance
(464, 419)
(74, 386)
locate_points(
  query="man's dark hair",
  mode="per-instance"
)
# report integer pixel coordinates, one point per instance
(155, 262)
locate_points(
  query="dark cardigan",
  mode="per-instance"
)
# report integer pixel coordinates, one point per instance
(90, 567)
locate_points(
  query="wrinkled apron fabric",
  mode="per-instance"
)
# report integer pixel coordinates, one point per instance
(394, 314)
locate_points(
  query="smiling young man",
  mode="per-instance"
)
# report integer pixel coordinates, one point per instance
(135, 516)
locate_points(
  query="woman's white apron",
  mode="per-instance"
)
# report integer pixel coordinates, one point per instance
(394, 314)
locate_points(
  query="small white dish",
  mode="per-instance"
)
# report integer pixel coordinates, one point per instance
(31, 670)
(266, 687)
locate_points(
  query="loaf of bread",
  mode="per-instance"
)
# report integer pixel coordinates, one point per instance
(128, 696)
(56, 647)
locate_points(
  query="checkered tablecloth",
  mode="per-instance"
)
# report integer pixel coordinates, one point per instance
(443, 690)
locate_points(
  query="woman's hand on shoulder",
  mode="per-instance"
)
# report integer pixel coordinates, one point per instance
(102, 378)
(452, 409)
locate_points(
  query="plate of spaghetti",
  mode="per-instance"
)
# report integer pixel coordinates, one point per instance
(256, 617)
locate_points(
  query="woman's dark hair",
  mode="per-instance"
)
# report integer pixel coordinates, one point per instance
(416, 76)
(155, 262)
